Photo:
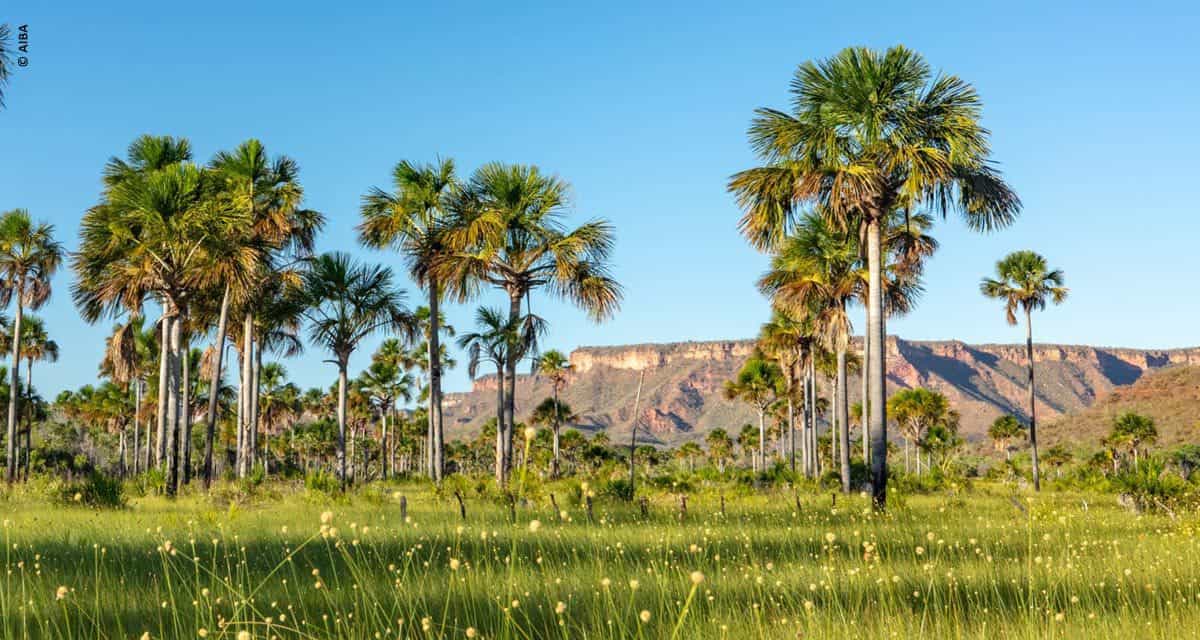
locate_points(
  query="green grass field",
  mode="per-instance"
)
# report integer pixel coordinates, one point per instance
(984, 564)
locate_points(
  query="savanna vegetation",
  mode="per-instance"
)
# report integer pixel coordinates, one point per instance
(195, 491)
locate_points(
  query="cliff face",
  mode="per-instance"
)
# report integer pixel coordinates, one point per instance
(681, 395)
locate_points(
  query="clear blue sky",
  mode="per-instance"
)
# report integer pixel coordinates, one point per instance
(644, 110)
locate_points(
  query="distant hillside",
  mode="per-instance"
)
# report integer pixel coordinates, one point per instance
(682, 396)
(1171, 396)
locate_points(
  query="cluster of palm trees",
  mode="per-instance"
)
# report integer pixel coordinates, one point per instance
(875, 147)
(502, 228)
(872, 138)
(231, 240)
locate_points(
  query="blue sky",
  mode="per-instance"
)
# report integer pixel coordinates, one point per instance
(644, 111)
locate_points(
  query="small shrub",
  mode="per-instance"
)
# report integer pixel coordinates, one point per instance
(619, 488)
(322, 482)
(97, 491)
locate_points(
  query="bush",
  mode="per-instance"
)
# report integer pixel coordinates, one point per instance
(619, 488)
(97, 491)
(1151, 486)
(322, 482)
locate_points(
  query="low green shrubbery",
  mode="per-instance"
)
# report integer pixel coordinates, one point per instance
(96, 490)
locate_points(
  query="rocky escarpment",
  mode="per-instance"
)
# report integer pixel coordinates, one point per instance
(681, 396)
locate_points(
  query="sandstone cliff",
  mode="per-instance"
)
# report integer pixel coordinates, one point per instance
(681, 399)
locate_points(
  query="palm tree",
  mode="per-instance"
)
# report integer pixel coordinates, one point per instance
(384, 382)
(1025, 283)
(129, 355)
(29, 257)
(508, 232)
(552, 413)
(871, 133)
(915, 411)
(1056, 457)
(1003, 431)
(102, 290)
(816, 270)
(279, 234)
(755, 385)
(555, 367)
(497, 340)
(1134, 430)
(787, 339)
(279, 402)
(413, 220)
(345, 303)
(720, 447)
(155, 233)
(36, 346)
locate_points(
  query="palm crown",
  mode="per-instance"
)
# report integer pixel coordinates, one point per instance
(347, 302)
(1024, 282)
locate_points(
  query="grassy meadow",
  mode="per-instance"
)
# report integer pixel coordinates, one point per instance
(984, 564)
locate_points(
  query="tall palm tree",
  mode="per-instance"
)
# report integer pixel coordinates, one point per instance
(509, 233)
(817, 270)
(130, 354)
(29, 257)
(1025, 283)
(384, 382)
(871, 132)
(279, 235)
(345, 303)
(496, 340)
(787, 338)
(36, 346)
(126, 291)
(155, 233)
(554, 366)
(755, 385)
(413, 220)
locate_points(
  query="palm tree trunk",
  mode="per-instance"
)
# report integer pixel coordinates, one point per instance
(435, 386)
(255, 388)
(1037, 476)
(877, 367)
(146, 449)
(121, 449)
(812, 417)
(762, 438)
(834, 425)
(214, 388)
(791, 413)
(137, 420)
(500, 427)
(341, 418)
(160, 442)
(14, 387)
(510, 372)
(28, 418)
(637, 401)
(843, 417)
(174, 410)
(383, 445)
(866, 431)
(185, 430)
(244, 395)
(554, 463)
